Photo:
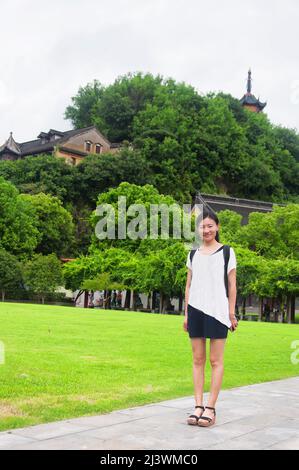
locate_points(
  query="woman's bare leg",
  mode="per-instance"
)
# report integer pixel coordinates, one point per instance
(199, 361)
(217, 364)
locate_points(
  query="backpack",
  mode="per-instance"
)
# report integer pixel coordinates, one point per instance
(226, 253)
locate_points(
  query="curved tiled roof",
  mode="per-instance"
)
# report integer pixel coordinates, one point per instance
(46, 142)
(251, 100)
(11, 146)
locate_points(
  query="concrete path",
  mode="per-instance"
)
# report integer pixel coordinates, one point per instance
(260, 416)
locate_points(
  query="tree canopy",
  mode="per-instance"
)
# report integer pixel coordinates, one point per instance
(191, 142)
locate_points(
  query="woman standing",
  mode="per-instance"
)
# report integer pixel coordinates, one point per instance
(209, 313)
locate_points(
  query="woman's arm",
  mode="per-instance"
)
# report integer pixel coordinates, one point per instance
(188, 283)
(232, 296)
(232, 291)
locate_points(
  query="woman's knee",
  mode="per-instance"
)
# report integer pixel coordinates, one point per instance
(216, 362)
(199, 360)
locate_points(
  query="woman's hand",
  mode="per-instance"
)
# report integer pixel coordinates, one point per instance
(234, 323)
(185, 324)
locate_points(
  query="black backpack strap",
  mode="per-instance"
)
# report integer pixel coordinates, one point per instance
(192, 253)
(226, 253)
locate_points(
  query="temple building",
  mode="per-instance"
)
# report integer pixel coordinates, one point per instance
(73, 146)
(249, 101)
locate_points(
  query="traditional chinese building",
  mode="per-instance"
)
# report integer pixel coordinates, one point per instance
(73, 146)
(249, 101)
(244, 207)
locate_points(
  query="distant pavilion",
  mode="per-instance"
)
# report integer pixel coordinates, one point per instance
(249, 101)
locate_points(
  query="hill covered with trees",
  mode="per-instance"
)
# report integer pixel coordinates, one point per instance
(192, 142)
(175, 142)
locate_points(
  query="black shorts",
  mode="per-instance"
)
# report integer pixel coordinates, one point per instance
(201, 325)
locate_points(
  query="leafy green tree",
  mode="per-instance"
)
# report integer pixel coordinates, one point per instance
(43, 275)
(83, 104)
(266, 176)
(259, 180)
(19, 234)
(80, 212)
(146, 196)
(113, 108)
(274, 234)
(192, 142)
(40, 173)
(168, 132)
(75, 272)
(160, 271)
(288, 169)
(225, 146)
(10, 273)
(100, 271)
(278, 278)
(101, 282)
(128, 261)
(230, 226)
(234, 105)
(288, 140)
(54, 224)
(249, 266)
(98, 173)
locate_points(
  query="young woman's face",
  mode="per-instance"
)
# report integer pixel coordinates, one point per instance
(208, 229)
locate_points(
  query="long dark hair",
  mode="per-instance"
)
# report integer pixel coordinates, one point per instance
(212, 215)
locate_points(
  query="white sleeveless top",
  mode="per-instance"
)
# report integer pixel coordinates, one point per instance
(207, 290)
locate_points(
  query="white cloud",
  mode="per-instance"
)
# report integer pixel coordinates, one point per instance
(50, 49)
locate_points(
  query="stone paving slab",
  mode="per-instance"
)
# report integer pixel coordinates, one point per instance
(259, 416)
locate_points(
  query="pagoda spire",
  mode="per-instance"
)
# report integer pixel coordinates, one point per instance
(249, 101)
(249, 82)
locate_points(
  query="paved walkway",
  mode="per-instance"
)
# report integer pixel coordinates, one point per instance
(260, 416)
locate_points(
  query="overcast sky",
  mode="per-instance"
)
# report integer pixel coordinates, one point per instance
(48, 49)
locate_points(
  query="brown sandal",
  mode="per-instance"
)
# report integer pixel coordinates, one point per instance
(193, 419)
(206, 421)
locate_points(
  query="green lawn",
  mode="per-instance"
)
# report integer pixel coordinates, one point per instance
(62, 362)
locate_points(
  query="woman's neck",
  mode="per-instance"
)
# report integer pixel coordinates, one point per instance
(210, 244)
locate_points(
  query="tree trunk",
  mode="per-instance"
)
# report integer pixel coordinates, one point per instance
(276, 310)
(109, 298)
(166, 303)
(148, 301)
(3, 295)
(132, 300)
(135, 300)
(154, 297)
(243, 308)
(280, 316)
(293, 303)
(181, 303)
(86, 299)
(127, 299)
(161, 302)
(261, 309)
(289, 320)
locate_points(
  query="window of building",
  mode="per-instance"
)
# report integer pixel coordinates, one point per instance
(98, 148)
(88, 146)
